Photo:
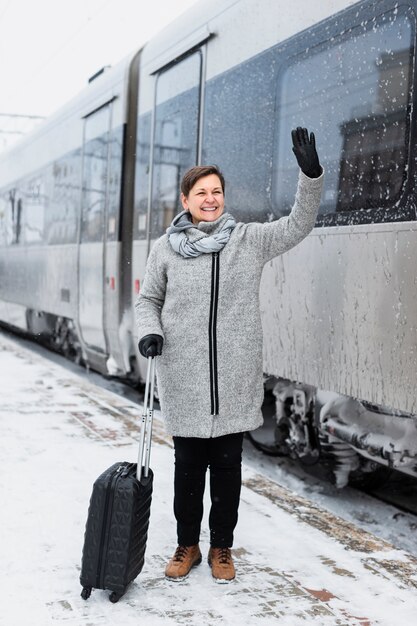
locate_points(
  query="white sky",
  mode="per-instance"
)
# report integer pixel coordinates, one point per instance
(49, 48)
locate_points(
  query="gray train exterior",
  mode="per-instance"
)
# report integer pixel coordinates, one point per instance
(84, 197)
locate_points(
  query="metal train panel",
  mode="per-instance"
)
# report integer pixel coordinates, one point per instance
(42, 278)
(13, 314)
(340, 310)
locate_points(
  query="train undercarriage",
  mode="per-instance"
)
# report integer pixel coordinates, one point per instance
(359, 443)
(62, 335)
(58, 332)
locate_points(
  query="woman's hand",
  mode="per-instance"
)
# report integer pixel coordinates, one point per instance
(305, 152)
(151, 345)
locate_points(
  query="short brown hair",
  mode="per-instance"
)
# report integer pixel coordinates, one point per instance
(192, 175)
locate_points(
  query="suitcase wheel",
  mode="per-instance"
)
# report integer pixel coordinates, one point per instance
(115, 597)
(86, 593)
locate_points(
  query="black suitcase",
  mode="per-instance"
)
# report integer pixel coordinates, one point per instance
(118, 515)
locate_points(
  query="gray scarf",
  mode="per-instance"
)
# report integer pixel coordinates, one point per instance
(204, 237)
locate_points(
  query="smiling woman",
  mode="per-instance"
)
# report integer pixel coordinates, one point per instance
(209, 377)
(202, 193)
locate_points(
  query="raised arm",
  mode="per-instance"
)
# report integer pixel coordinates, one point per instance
(274, 238)
(304, 148)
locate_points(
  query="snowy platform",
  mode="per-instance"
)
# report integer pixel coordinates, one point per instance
(297, 564)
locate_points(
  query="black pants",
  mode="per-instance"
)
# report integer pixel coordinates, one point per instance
(192, 457)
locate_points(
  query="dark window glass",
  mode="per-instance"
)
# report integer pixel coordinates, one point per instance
(31, 207)
(239, 117)
(176, 137)
(64, 202)
(95, 175)
(142, 175)
(355, 94)
(115, 176)
(10, 217)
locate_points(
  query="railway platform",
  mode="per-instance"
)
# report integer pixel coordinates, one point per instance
(297, 563)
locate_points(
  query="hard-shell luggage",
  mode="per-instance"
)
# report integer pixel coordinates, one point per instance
(118, 515)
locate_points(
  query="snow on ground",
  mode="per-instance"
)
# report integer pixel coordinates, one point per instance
(296, 563)
(370, 514)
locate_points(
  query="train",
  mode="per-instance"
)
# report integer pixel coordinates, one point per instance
(86, 194)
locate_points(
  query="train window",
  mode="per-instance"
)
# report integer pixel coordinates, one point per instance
(33, 206)
(239, 117)
(143, 144)
(355, 92)
(175, 138)
(64, 185)
(115, 176)
(95, 175)
(10, 217)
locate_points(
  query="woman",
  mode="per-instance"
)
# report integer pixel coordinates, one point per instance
(199, 311)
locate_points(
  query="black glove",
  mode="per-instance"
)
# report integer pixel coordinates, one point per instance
(151, 345)
(305, 152)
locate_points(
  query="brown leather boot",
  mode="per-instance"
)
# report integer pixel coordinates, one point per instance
(221, 563)
(184, 559)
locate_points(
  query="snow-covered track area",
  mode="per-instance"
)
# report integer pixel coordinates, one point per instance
(297, 562)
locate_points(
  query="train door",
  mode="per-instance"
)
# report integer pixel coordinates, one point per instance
(169, 143)
(91, 290)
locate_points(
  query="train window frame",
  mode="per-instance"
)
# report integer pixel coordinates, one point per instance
(35, 208)
(15, 237)
(322, 37)
(197, 52)
(10, 197)
(100, 117)
(63, 216)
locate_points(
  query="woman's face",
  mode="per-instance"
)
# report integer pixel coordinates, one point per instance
(205, 201)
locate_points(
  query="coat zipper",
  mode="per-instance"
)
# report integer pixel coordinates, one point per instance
(214, 391)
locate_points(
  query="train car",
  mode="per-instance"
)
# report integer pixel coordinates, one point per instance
(86, 195)
(66, 224)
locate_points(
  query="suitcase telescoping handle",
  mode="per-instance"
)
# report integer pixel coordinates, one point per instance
(147, 417)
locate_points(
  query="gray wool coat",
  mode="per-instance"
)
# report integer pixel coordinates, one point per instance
(210, 374)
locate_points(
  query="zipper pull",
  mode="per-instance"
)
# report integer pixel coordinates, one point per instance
(127, 469)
